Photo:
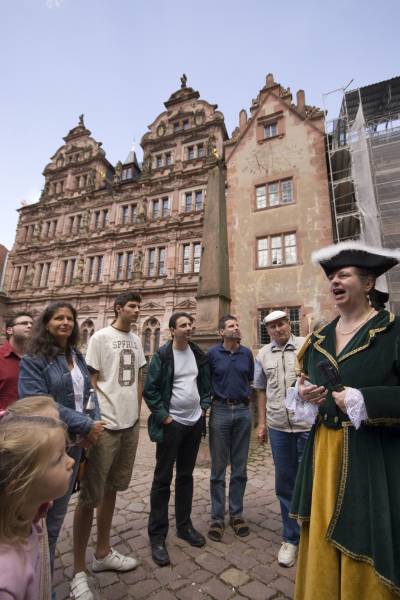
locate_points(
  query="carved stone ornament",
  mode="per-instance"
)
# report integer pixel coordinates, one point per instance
(161, 129)
(187, 303)
(199, 117)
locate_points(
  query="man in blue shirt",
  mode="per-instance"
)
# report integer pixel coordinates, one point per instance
(232, 371)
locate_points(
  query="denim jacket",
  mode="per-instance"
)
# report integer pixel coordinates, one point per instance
(39, 375)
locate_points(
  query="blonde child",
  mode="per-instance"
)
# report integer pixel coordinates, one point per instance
(34, 470)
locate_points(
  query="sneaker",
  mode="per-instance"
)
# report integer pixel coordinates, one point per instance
(80, 589)
(114, 561)
(287, 554)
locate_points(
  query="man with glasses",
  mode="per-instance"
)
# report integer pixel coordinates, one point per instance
(18, 333)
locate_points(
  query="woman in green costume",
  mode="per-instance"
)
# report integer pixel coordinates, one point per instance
(347, 493)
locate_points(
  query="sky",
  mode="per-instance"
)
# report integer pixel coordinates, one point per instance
(117, 61)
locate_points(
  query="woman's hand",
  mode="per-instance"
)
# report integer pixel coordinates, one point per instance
(95, 432)
(311, 393)
(339, 398)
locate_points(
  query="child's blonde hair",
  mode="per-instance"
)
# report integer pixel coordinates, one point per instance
(25, 431)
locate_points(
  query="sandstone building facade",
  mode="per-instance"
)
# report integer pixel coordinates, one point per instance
(99, 229)
(278, 210)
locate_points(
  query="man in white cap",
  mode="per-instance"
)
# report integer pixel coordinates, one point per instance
(274, 374)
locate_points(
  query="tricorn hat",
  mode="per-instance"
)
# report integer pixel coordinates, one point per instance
(356, 254)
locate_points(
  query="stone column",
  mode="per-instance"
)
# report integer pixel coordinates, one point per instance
(213, 297)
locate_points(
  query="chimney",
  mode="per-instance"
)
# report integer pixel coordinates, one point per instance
(301, 100)
(242, 118)
(270, 80)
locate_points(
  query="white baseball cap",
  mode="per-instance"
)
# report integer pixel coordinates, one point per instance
(274, 316)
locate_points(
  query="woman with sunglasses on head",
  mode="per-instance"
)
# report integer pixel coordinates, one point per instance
(54, 365)
(347, 492)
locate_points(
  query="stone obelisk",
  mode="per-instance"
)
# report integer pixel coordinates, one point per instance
(213, 299)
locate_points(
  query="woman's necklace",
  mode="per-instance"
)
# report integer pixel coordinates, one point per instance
(357, 326)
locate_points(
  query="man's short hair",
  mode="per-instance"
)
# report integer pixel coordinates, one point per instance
(10, 322)
(224, 319)
(178, 315)
(125, 297)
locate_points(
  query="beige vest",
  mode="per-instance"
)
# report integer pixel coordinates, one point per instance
(279, 368)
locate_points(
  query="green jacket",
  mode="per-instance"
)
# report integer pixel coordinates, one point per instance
(158, 386)
(366, 520)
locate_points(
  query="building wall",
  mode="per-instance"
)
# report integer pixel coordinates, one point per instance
(85, 212)
(295, 152)
(95, 230)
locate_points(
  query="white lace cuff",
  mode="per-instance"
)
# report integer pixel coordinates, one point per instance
(303, 411)
(355, 406)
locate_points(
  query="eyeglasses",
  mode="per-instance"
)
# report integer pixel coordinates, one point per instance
(23, 323)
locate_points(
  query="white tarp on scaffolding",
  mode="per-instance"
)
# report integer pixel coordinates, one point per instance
(370, 233)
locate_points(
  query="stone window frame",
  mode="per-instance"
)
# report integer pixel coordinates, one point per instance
(123, 265)
(277, 119)
(162, 159)
(270, 182)
(159, 201)
(192, 191)
(154, 267)
(68, 267)
(269, 247)
(42, 273)
(190, 258)
(194, 150)
(94, 270)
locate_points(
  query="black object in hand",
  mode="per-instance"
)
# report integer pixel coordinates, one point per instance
(331, 375)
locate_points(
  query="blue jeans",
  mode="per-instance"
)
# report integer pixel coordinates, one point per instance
(287, 450)
(230, 429)
(56, 515)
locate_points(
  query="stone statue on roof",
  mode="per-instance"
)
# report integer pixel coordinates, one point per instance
(118, 172)
(81, 120)
(183, 81)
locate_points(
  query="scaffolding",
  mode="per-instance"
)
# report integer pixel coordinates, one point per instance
(363, 149)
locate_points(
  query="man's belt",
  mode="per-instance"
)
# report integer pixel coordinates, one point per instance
(231, 401)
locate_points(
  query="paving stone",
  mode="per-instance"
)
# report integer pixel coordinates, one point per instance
(256, 590)
(264, 573)
(195, 573)
(190, 593)
(144, 588)
(163, 595)
(212, 563)
(116, 592)
(284, 585)
(106, 578)
(218, 590)
(234, 577)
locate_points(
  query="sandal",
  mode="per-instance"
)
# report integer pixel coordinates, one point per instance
(216, 531)
(239, 526)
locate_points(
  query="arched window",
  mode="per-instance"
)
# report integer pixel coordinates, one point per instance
(86, 331)
(151, 336)
(156, 339)
(147, 341)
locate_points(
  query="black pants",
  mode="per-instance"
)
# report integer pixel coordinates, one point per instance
(181, 445)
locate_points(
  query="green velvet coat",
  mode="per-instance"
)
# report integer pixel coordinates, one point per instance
(366, 521)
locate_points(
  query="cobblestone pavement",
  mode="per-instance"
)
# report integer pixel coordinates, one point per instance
(233, 568)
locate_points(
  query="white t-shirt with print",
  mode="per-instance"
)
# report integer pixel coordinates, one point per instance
(117, 356)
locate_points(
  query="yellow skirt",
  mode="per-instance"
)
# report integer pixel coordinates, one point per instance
(322, 570)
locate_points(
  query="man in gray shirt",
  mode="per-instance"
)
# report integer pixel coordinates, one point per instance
(177, 392)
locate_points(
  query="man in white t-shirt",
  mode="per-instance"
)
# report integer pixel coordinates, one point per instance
(177, 391)
(114, 357)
